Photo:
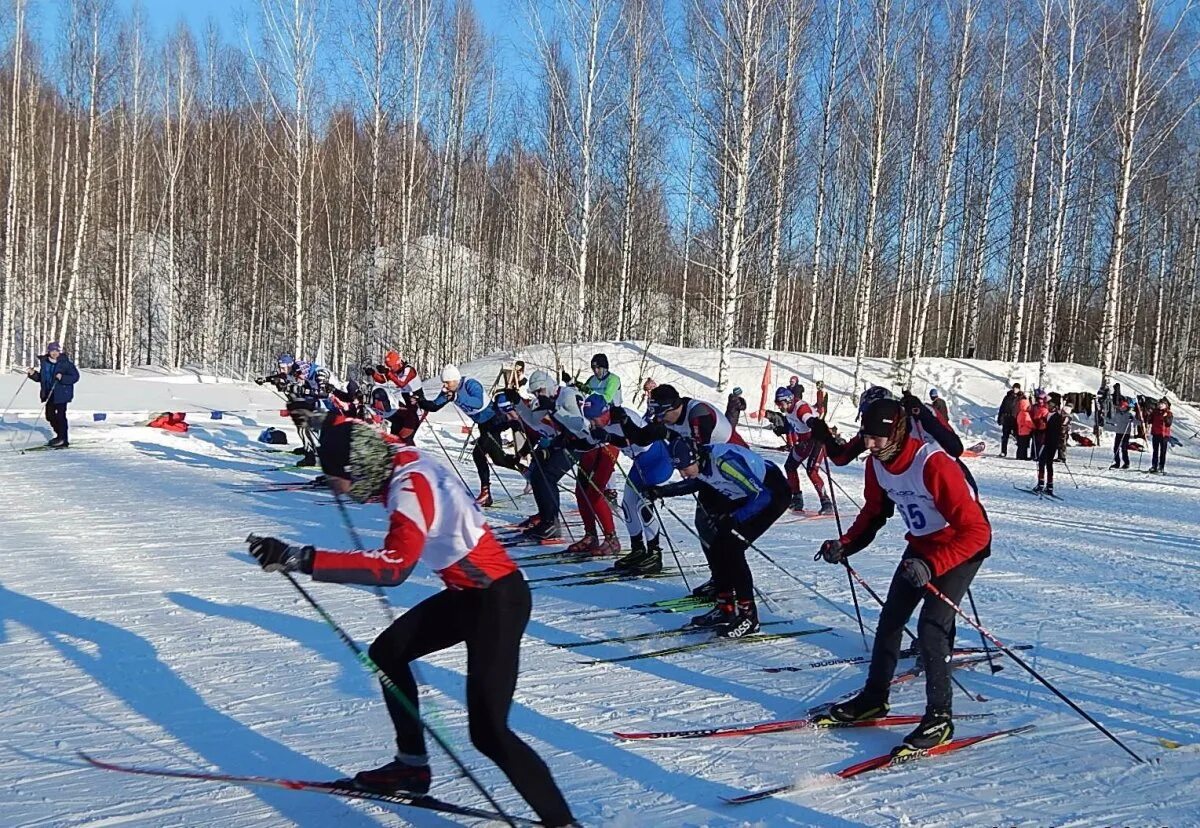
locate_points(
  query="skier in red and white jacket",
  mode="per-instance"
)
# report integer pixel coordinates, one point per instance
(486, 604)
(948, 539)
(803, 449)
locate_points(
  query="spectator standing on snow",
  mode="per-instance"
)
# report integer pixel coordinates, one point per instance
(1054, 441)
(57, 376)
(734, 407)
(1161, 420)
(1006, 417)
(1024, 427)
(1122, 421)
(938, 404)
(821, 403)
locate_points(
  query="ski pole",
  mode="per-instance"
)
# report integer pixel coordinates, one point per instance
(662, 526)
(1067, 466)
(1000, 646)
(449, 459)
(8, 407)
(850, 580)
(995, 668)
(358, 544)
(972, 696)
(367, 662)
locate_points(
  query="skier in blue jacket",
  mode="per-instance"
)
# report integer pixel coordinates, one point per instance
(468, 395)
(57, 375)
(740, 495)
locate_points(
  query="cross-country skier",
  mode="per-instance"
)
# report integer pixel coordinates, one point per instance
(1122, 420)
(803, 450)
(821, 403)
(468, 395)
(597, 459)
(485, 605)
(1054, 440)
(948, 538)
(1161, 420)
(603, 381)
(740, 495)
(938, 403)
(686, 417)
(1039, 413)
(402, 386)
(550, 421)
(651, 467)
(56, 376)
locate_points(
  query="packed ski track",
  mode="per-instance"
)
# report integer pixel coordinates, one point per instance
(134, 626)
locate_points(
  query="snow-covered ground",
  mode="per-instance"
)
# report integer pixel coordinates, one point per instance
(134, 626)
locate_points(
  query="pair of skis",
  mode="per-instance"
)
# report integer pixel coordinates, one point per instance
(1042, 493)
(344, 788)
(708, 642)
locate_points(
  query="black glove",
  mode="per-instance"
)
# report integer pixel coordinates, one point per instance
(618, 415)
(831, 551)
(273, 555)
(911, 405)
(381, 370)
(652, 493)
(819, 429)
(259, 380)
(724, 523)
(915, 571)
(599, 435)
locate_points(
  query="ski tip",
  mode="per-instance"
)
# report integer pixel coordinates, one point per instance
(1170, 744)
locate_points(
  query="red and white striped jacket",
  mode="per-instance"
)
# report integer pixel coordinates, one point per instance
(432, 515)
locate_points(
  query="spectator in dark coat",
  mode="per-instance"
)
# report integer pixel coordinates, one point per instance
(57, 375)
(1006, 417)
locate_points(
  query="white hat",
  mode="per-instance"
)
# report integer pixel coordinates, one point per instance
(451, 373)
(541, 381)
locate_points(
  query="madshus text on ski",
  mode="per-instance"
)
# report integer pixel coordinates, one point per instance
(548, 427)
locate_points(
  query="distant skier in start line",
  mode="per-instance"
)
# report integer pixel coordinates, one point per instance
(486, 604)
(948, 539)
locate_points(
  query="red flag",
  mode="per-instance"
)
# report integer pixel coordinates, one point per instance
(766, 389)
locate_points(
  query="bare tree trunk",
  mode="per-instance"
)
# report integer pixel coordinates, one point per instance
(14, 180)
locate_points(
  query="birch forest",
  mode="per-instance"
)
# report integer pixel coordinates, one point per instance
(1013, 180)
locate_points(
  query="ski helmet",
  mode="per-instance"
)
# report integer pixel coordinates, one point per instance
(286, 360)
(392, 360)
(784, 394)
(884, 418)
(875, 392)
(541, 382)
(451, 373)
(594, 407)
(737, 390)
(358, 453)
(684, 453)
(323, 375)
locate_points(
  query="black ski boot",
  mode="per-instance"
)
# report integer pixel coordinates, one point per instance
(861, 708)
(705, 590)
(743, 624)
(721, 615)
(637, 551)
(309, 459)
(797, 502)
(397, 776)
(826, 506)
(543, 531)
(1050, 489)
(936, 728)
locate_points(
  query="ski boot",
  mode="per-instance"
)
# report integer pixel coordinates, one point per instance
(936, 728)
(584, 547)
(1049, 489)
(637, 549)
(721, 615)
(650, 563)
(543, 531)
(861, 708)
(797, 502)
(705, 590)
(610, 547)
(57, 442)
(484, 499)
(826, 506)
(743, 624)
(1039, 488)
(529, 522)
(309, 459)
(396, 777)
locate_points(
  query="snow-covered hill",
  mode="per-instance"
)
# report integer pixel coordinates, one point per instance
(134, 626)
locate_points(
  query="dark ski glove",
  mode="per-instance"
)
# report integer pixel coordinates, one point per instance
(832, 552)
(911, 405)
(819, 429)
(618, 415)
(915, 571)
(273, 555)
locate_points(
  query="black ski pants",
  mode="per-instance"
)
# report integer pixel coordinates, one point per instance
(491, 622)
(1008, 427)
(1121, 449)
(56, 415)
(1046, 464)
(1023, 447)
(725, 552)
(546, 470)
(1160, 452)
(490, 445)
(935, 631)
